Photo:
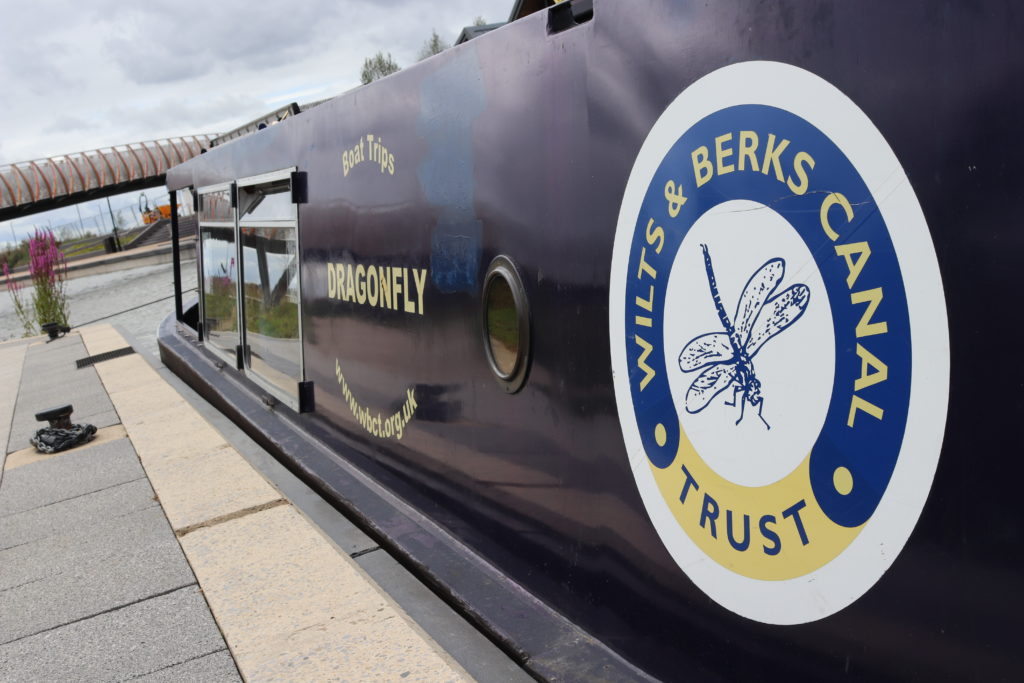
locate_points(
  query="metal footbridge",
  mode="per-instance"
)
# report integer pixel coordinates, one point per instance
(33, 186)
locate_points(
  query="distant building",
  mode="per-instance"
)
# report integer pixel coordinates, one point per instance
(471, 32)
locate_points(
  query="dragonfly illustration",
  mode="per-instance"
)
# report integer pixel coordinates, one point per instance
(728, 357)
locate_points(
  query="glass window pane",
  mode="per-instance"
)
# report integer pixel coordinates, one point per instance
(271, 202)
(502, 325)
(271, 276)
(220, 293)
(216, 206)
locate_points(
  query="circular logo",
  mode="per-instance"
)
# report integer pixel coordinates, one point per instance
(779, 342)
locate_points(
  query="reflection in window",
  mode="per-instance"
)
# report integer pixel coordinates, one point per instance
(220, 293)
(272, 303)
(216, 206)
(502, 326)
(506, 324)
(270, 202)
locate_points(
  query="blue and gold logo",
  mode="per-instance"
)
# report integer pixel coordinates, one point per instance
(763, 347)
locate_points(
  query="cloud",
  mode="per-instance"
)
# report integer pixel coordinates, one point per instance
(226, 34)
(77, 76)
(66, 123)
(168, 117)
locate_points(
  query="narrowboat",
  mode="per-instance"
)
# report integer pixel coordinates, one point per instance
(648, 333)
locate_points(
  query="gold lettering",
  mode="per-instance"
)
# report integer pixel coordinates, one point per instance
(873, 297)
(420, 276)
(385, 287)
(722, 153)
(748, 148)
(372, 285)
(645, 267)
(658, 235)
(868, 361)
(360, 284)
(702, 168)
(641, 362)
(410, 307)
(830, 201)
(676, 200)
(350, 290)
(847, 251)
(647, 305)
(771, 157)
(857, 403)
(801, 159)
(396, 284)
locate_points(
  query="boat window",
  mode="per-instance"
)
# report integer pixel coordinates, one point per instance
(506, 324)
(270, 202)
(215, 206)
(268, 230)
(220, 289)
(218, 262)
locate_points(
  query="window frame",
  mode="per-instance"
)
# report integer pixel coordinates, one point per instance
(232, 225)
(291, 399)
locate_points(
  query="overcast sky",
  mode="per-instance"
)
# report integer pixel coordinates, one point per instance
(80, 75)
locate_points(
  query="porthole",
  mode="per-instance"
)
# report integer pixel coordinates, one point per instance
(506, 324)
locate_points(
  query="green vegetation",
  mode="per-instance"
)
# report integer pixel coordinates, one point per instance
(220, 305)
(502, 324)
(280, 320)
(433, 46)
(377, 66)
(15, 256)
(48, 270)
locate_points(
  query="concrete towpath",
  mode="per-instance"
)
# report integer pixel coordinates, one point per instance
(172, 548)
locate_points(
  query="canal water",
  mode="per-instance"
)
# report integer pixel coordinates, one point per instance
(148, 290)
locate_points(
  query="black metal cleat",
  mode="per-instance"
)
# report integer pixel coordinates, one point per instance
(59, 417)
(55, 330)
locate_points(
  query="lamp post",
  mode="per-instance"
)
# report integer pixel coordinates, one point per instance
(81, 225)
(113, 223)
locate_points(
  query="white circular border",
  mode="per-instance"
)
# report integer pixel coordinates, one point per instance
(854, 571)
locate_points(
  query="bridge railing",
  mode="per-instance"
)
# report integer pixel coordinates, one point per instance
(58, 180)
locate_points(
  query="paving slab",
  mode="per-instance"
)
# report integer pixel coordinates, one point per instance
(12, 357)
(283, 623)
(93, 582)
(120, 376)
(50, 378)
(77, 514)
(213, 668)
(57, 580)
(134, 641)
(75, 473)
(199, 488)
(481, 659)
(290, 605)
(82, 392)
(103, 338)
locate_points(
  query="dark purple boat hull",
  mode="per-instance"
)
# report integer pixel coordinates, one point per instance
(521, 143)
